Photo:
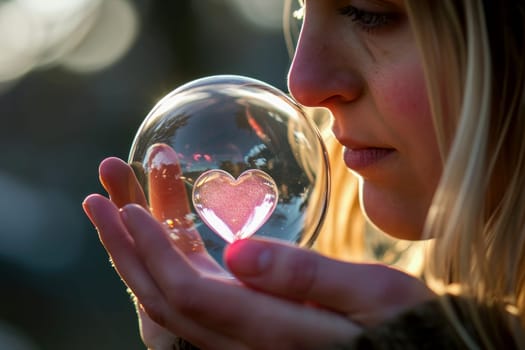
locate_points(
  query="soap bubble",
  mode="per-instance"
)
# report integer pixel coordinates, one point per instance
(233, 124)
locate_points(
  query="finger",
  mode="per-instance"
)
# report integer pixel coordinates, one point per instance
(151, 242)
(118, 243)
(120, 182)
(121, 247)
(168, 197)
(355, 289)
(223, 305)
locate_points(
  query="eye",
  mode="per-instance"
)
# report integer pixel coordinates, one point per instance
(369, 20)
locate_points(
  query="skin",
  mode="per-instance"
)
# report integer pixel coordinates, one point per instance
(272, 309)
(371, 80)
(180, 287)
(281, 296)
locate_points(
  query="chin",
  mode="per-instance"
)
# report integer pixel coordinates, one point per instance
(398, 219)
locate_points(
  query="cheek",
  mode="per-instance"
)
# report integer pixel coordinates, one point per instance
(404, 96)
(399, 205)
(403, 101)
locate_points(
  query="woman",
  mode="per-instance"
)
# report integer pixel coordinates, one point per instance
(427, 100)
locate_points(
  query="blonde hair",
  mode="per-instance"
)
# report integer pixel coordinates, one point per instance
(475, 79)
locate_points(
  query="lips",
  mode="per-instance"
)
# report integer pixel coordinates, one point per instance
(360, 159)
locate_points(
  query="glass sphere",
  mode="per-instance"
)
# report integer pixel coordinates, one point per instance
(240, 126)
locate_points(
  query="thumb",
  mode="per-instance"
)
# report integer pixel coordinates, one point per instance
(364, 291)
(275, 267)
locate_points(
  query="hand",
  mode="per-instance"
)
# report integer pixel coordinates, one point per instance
(185, 291)
(368, 294)
(120, 182)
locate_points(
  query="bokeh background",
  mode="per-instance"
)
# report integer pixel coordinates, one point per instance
(76, 79)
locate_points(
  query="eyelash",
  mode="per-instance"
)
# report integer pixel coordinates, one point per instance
(368, 20)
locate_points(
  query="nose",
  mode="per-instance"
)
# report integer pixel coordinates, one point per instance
(322, 72)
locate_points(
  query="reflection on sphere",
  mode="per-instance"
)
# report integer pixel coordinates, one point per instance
(235, 123)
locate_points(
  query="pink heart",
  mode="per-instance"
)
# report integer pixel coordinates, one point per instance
(235, 209)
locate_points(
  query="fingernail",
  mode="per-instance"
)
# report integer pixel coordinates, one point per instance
(126, 213)
(86, 205)
(248, 257)
(133, 216)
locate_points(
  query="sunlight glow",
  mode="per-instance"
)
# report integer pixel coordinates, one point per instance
(81, 35)
(112, 35)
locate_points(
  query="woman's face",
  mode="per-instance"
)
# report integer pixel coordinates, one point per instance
(359, 60)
